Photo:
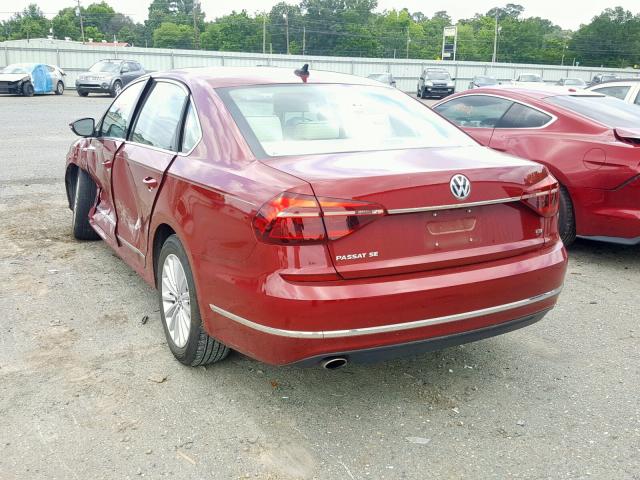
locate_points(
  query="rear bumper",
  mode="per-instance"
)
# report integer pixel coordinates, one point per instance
(609, 215)
(282, 322)
(389, 352)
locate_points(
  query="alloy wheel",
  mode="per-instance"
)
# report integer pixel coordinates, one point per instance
(176, 301)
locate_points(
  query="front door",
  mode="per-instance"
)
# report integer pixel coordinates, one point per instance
(101, 152)
(140, 165)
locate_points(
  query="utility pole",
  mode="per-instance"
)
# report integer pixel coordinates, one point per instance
(408, 40)
(286, 22)
(196, 33)
(304, 39)
(81, 23)
(264, 34)
(495, 42)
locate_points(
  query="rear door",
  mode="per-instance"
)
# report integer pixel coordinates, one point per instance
(140, 165)
(101, 151)
(475, 114)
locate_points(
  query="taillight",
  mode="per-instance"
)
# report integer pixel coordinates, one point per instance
(293, 218)
(544, 200)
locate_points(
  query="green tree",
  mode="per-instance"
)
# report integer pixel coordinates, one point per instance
(29, 23)
(234, 32)
(170, 35)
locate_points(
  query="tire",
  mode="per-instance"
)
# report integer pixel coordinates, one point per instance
(83, 199)
(82, 93)
(27, 89)
(116, 89)
(59, 88)
(423, 93)
(173, 273)
(566, 218)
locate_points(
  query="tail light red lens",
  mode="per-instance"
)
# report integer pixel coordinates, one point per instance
(544, 200)
(294, 219)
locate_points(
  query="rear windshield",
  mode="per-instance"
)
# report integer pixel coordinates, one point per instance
(315, 119)
(574, 81)
(608, 111)
(486, 80)
(380, 77)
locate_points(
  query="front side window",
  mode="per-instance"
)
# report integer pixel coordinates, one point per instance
(474, 111)
(637, 100)
(315, 119)
(617, 91)
(159, 119)
(521, 116)
(192, 131)
(117, 120)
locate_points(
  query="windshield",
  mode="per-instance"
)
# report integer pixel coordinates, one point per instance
(438, 76)
(530, 78)
(315, 119)
(15, 69)
(105, 67)
(609, 111)
(574, 81)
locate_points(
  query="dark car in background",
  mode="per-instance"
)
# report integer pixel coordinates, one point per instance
(108, 76)
(385, 78)
(572, 82)
(482, 81)
(435, 82)
(603, 77)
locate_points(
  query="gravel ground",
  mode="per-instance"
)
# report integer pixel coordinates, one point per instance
(90, 391)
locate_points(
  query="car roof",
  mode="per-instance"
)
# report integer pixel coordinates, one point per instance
(218, 77)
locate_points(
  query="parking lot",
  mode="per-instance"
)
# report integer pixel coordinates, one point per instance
(90, 390)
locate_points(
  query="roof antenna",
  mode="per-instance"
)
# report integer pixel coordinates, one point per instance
(303, 72)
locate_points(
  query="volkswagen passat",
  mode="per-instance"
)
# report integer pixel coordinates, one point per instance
(313, 218)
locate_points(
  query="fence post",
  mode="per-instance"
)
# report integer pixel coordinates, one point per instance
(57, 56)
(6, 55)
(172, 62)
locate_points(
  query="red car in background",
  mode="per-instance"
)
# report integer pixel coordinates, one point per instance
(589, 142)
(313, 219)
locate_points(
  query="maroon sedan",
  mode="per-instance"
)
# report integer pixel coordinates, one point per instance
(589, 142)
(313, 219)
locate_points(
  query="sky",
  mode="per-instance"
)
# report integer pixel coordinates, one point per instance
(568, 14)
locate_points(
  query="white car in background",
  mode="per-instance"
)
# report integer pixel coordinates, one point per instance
(624, 89)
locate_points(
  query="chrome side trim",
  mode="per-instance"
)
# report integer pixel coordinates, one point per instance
(396, 211)
(384, 328)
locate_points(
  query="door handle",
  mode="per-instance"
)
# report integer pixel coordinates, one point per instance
(150, 182)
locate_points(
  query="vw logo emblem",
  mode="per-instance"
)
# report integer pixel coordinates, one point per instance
(460, 186)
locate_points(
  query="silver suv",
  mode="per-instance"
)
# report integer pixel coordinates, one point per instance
(108, 76)
(435, 82)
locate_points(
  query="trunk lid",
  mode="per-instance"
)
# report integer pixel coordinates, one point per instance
(425, 226)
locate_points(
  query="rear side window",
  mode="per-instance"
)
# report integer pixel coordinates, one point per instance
(158, 121)
(608, 111)
(474, 111)
(521, 116)
(617, 91)
(637, 101)
(118, 118)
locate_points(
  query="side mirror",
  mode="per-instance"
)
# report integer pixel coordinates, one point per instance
(393, 83)
(84, 127)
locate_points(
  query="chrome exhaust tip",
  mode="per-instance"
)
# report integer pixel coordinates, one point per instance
(333, 363)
